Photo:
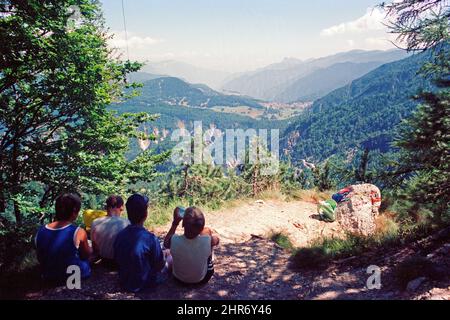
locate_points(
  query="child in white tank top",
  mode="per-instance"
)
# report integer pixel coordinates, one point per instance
(191, 252)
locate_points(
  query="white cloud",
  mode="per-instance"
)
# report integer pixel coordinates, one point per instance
(134, 41)
(372, 20)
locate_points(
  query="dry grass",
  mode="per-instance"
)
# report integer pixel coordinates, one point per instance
(322, 251)
(162, 214)
(271, 194)
(386, 226)
(312, 196)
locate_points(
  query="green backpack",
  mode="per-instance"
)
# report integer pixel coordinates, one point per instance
(326, 210)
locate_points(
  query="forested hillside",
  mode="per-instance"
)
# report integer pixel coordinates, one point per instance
(172, 117)
(362, 114)
(175, 91)
(325, 80)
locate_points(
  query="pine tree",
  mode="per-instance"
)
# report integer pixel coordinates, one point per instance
(424, 138)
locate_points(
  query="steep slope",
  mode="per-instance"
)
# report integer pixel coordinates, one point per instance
(163, 96)
(361, 114)
(325, 80)
(267, 83)
(174, 91)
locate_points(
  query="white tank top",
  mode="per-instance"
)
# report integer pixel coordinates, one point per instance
(190, 257)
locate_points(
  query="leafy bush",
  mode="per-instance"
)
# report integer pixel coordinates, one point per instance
(322, 177)
(17, 244)
(202, 184)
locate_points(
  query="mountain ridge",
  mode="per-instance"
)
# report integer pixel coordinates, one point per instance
(362, 114)
(269, 82)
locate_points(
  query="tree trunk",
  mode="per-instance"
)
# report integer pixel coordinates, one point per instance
(15, 181)
(2, 196)
(255, 181)
(17, 213)
(45, 197)
(362, 170)
(2, 187)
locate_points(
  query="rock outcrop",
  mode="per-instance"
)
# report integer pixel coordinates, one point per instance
(358, 212)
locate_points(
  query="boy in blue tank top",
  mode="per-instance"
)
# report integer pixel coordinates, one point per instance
(61, 244)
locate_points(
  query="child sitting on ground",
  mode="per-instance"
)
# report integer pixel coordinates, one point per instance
(104, 230)
(191, 252)
(137, 251)
(61, 244)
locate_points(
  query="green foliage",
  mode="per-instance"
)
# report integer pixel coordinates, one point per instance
(17, 243)
(170, 90)
(425, 162)
(321, 252)
(418, 24)
(171, 116)
(423, 170)
(282, 240)
(361, 115)
(260, 169)
(57, 79)
(322, 177)
(294, 179)
(201, 184)
(206, 183)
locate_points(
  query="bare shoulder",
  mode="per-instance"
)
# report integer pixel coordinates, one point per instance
(206, 232)
(81, 233)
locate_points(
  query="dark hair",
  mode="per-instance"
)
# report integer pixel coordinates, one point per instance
(137, 208)
(66, 204)
(193, 222)
(113, 202)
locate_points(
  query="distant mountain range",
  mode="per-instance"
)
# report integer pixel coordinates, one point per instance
(360, 115)
(295, 80)
(176, 92)
(187, 72)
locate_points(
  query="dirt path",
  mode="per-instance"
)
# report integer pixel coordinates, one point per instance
(250, 267)
(260, 218)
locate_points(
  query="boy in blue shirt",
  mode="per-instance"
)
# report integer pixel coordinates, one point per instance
(61, 244)
(137, 251)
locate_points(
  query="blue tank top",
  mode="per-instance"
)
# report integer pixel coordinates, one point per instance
(56, 251)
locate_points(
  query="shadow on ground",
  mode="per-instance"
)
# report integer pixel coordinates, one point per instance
(257, 269)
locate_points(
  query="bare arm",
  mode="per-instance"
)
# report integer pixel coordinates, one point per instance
(94, 240)
(173, 228)
(84, 248)
(214, 239)
(169, 235)
(162, 261)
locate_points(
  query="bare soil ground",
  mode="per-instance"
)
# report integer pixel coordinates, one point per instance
(248, 266)
(298, 219)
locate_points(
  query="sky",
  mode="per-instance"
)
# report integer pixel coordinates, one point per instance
(242, 35)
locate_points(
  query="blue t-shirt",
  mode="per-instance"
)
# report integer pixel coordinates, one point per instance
(137, 253)
(56, 251)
